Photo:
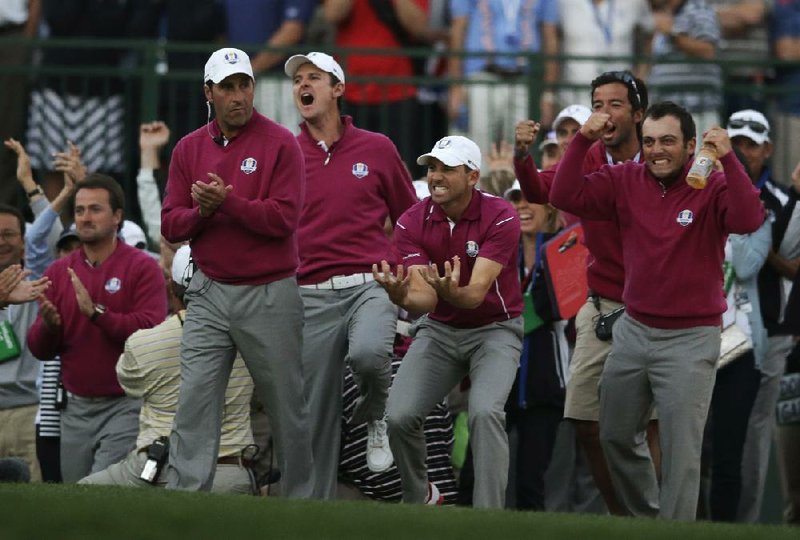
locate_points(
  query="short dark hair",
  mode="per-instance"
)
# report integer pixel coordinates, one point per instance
(340, 100)
(670, 108)
(637, 89)
(14, 211)
(116, 197)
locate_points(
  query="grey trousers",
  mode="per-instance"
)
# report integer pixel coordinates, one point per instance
(439, 357)
(673, 370)
(760, 429)
(228, 478)
(95, 433)
(264, 322)
(356, 325)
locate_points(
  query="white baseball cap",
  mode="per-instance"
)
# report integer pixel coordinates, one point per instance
(579, 113)
(549, 140)
(133, 235)
(323, 61)
(515, 190)
(453, 151)
(182, 268)
(226, 62)
(749, 123)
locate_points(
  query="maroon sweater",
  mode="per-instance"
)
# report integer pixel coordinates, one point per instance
(605, 273)
(250, 239)
(350, 190)
(131, 286)
(673, 239)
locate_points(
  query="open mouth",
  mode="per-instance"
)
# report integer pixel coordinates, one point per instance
(306, 99)
(438, 190)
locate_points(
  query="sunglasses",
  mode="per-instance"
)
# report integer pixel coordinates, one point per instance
(755, 127)
(629, 80)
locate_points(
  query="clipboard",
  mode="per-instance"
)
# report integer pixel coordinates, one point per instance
(565, 268)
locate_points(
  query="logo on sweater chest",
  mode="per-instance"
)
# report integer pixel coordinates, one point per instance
(249, 165)
(685, 218)
(472, 248)
(113, 285)
(360, 170)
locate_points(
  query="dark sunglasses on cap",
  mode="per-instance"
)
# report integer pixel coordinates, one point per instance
(629, 80)
(755, 127)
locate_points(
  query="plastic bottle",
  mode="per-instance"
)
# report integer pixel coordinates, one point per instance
(702, 167)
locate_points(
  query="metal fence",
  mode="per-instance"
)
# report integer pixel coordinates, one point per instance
(160, 80)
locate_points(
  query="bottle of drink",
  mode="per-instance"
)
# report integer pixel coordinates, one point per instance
(702, 167)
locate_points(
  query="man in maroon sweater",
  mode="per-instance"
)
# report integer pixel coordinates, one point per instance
(100, 295)
(667, 344)
(623, 97)
(235, 190)
(355, 180)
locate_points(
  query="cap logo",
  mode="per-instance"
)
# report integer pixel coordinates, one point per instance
(231, 57)
(113, 285)
(444, 143)
(685, 218)
(249, 165)
(360, 170)
(472, 249)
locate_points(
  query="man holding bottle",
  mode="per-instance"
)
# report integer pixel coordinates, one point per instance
(667, 344)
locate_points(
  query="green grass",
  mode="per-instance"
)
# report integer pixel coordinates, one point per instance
(87, 512)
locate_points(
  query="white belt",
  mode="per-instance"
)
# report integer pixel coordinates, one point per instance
(341, 282)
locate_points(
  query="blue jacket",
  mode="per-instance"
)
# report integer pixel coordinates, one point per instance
(749, 253)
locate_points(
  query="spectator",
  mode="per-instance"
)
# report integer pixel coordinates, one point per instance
(667, 343)
(614, 30)
(19, 369)
(550, 149)
(385, 107)
(785, 43)
(101, 294)
(536, 403)
(744, 37)
(87, 110)
(624, 97)
(238, 200)
(474, 324)
(497, 89)
(750, 134)
(385, 486)
(149, 369)
(737, 380)
(347, 316)
(39, 254)
(18, 19)
(687, 29)
(499, 175)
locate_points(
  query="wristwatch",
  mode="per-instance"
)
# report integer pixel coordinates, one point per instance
(99, 309)
(34, 192)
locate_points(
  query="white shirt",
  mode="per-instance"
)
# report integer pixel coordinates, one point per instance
(13, 12)
(605, 28)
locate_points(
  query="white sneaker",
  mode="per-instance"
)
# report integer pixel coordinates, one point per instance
(434, 498)
(379, 455)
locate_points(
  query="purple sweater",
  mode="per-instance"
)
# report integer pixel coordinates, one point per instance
(673, 239)
(350, 190)
(250, 239)
(131, 286)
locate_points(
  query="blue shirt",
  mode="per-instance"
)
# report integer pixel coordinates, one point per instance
(514, 27)
(252, 22)
(786, 24)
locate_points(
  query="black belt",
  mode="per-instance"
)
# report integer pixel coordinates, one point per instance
(236, 460)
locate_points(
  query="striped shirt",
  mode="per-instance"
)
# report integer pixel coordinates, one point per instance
(695, 86)
(49, 416)
(385, 486)
(150, 368)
